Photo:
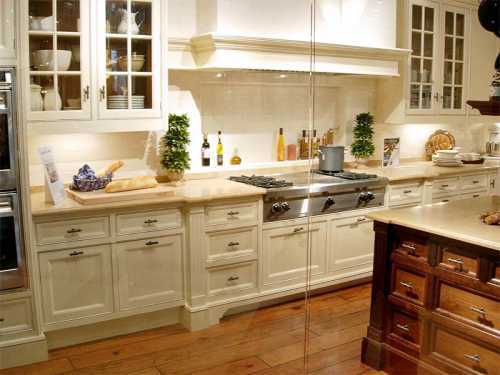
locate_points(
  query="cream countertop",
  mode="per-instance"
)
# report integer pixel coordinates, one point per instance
(426, 170)
(194, 191)
(458, 219)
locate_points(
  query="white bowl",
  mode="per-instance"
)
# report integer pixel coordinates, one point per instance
(137, 63)
(43, 59)
(47, 23)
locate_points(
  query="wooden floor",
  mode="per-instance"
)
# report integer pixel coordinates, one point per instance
(269, 341)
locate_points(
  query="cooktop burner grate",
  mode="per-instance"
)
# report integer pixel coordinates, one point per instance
(348, 175)
(262, 181)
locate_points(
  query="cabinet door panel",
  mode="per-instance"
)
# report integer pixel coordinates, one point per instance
(7, 32)
(149, 271)
(285, 253)
(76, 283)
(353, 242)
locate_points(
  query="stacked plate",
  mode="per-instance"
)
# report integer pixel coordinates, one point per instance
(447, 158)
(121, 102)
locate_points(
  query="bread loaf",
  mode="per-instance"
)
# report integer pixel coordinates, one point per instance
(112, 168)
(137, 183)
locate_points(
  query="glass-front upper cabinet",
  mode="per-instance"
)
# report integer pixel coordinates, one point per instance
(438, 64)
(57, 59)
(129, 55)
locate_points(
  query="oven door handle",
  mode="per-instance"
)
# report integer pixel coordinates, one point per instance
(6, 209)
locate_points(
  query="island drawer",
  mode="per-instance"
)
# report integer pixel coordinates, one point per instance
(412, 246)
(72, 230)
(456, 261)
(445, 186)
(470, 306)
(405, 327)
(232, 244)
(144, 222)
(464, 354)
(231, 213)
(408, 285)
(231, 281)
(476, 182)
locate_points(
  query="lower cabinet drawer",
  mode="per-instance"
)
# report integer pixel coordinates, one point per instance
(445, 186)
(72, 230)
(476, 182)
(469, 306)
(464, 354)
(405, 327)
(15, 317)
(413, 247)
(144, 222)
(405, 194)
(408, 285)
(232, 244)
(232, 281)
(231, 214)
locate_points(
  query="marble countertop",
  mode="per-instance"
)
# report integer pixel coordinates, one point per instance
(426, 170)
(192, 191)
(458, 219)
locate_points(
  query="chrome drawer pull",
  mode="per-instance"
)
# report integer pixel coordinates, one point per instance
(152, 243)
(403, 327)
(478, 310)
(410, 247)
(150, 221)
(75, 253)
(407, 285)
(297, 230)
(459, 262)
(73, 231)
(473, 357)
(232, 244)
(233, 213)
(233, 278)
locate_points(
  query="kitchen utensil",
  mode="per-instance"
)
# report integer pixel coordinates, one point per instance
(44, 59)
(331, 158)
(52, 100)
(36, 97)
(439, 140)
(123, 25)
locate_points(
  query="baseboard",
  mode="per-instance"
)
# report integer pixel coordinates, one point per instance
(29, 351)
(111, 328)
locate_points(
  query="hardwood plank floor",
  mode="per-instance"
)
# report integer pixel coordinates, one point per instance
(264, 342)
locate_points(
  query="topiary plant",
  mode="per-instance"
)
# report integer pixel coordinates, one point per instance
(175, 156)
(363, 147)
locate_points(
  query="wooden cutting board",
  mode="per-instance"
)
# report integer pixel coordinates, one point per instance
(101, 197)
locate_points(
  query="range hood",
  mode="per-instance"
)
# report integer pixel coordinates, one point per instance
(216, 51)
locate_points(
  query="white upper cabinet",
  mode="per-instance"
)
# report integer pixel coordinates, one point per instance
(7, 32)
(93, 60)
(439, 37)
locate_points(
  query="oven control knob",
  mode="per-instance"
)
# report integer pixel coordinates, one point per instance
(370, 196)
(285, 206)
(276, 207)
(329, 202)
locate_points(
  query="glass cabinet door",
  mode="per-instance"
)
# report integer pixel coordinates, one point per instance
(130, 54)
(454, 52)
(58, 59)
(422, 64)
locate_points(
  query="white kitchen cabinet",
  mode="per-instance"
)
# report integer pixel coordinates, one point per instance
(76, 283)
(15, 317)
(437, 74)
(8, 32)
(352, 244)
(149, 271)
(109, 65)
(285, 253)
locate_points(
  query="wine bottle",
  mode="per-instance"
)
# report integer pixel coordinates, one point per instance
(281, 146)
(220, 150)
(205, 151)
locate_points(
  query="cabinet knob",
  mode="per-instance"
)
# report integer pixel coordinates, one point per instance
(233, 213)
(407, 285)
(297, 230)
(150, 221)
(458, 262)
(232, 244)
(102, 93)
(473, 357)
(361, 219)
(152, 243)
(410, 247)
(408, 191)
(478, 310)
(403, 327)
(233, 278)
(74, 231)
(86, 93)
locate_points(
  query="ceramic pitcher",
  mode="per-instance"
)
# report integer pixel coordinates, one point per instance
(123, 26)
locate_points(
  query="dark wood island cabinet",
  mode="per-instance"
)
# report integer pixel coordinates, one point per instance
(436, 291)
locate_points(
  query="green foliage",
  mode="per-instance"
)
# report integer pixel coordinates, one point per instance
(363, 147)
(174, 155)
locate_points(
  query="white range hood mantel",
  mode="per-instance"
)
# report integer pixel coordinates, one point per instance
(215, 51)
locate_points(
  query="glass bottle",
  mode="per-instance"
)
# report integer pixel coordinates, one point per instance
(205, 151)
(220, 150)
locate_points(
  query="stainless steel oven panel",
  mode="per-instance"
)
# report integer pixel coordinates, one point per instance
(15, 277)
(8, 176)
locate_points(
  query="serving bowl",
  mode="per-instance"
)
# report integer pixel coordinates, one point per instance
(44, 59)
(137, 62)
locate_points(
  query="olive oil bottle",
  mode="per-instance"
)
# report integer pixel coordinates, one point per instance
(220, 150)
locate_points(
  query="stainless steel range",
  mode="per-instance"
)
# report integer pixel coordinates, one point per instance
(295, 195)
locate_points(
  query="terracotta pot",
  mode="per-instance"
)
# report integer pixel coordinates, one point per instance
(174, 176)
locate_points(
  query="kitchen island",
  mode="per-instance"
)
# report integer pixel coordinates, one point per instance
(436, 290)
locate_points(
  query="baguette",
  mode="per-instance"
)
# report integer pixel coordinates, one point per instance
(136, 183)
(112, 168)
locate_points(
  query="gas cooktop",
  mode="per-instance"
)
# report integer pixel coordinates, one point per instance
(262, 181)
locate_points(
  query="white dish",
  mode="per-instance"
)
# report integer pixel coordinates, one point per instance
(42, 23)
(44, 60)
